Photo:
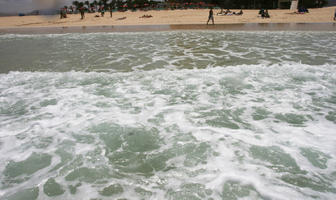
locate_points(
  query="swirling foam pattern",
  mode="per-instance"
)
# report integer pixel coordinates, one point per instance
(170, 115)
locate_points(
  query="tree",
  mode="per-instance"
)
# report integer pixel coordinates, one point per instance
(87, 3)
(129, 4)
(234, 4)
(313, 3)
(81, 4)
(95, 4)
(119, 4)
(91, 7)
(105, 3)
(76, 4)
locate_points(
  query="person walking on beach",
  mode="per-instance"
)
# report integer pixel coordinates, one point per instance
(211, 17)
(111, 9)
(81, 10)
(61, 13)
(102, 11)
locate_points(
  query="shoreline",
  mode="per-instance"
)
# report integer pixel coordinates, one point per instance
(173, 27)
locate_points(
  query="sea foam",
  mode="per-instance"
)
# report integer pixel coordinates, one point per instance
(248, 131)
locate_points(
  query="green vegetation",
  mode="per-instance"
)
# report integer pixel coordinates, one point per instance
(94, 6)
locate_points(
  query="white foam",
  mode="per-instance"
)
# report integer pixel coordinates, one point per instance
(182, 97)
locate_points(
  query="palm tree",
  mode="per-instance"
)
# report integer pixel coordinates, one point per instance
(100, 3)
(129, 4)
(104, 3)
(87, 3)
(76, 4)
(92, 6)
(80, 4)
(95, 3)
(113, 2)
(119, 4)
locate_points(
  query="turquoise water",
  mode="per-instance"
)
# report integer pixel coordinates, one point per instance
(168, 115)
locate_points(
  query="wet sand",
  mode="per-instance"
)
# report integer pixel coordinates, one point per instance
(144, 28)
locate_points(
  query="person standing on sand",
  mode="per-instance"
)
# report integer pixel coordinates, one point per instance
(111, 8)
(102, 11)
(211, 17)
(81, 10)
(335, 15)
(61, 13)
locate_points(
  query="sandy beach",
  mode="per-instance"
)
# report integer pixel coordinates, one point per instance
(167, 17)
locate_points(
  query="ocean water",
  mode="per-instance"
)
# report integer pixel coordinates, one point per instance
(168, 115)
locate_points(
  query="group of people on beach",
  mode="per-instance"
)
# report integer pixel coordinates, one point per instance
(63, 12)
(101, 10)
(264, 13)
(146, 16)
(302, 10)
(222, 13)
(228, 12)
